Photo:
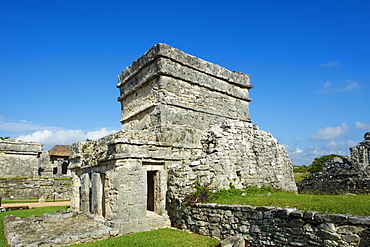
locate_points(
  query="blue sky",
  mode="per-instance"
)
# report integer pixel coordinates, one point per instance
(309, 63)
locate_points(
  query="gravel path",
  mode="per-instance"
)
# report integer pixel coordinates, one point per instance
(36, 204)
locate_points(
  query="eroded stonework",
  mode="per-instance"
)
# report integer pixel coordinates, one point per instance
(184, 121)
(342, 175)
(19, 158)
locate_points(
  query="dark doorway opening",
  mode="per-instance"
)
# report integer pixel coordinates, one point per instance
(151, 191)
(64, 167)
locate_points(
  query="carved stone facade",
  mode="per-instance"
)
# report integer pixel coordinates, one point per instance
(342, 175)
(184, 121)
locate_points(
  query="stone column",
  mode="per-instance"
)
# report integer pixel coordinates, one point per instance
(85, 193)
(96, 194)
(75, 200)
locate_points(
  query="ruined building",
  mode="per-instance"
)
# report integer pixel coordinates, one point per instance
(19, 158)
(29, 172)
(342, 175)
(184, 121)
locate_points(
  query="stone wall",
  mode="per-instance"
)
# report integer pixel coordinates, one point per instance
(35, 188)
(268, 226)
(19, 158)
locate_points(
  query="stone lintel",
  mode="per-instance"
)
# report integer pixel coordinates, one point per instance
(166, 51)
(20, 147)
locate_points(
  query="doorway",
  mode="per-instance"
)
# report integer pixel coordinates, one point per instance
(151, 190)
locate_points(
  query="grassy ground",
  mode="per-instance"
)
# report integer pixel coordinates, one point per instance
(300, 176)
(156, 238)
(161, 237)
(25, 213)
(335, 204)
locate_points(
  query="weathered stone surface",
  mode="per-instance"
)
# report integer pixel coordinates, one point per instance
(35, 188)
(275, 226)
(342, 175)
(58, 229)
(233, 242)
(19, 158)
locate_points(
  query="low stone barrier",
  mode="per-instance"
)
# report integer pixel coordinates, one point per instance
(35, 188)
(269, 226)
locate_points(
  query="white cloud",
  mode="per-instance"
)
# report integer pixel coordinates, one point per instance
(22, 125)
(307, 154)
(331, 133)
(99, 133)
(63, 137)
(363, 126)
(351, 85)
(329, 87)
(331, 64)
(326, 88)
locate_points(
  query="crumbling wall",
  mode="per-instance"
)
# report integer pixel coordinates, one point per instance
(342, 175)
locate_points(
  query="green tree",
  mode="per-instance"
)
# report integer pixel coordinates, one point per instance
(318, 162)
(300, 169)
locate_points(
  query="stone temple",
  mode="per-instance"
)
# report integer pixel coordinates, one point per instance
(184, 121)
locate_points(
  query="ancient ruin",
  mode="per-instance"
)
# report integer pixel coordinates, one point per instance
(19, 158)
(342, 175)
(29, 172)
(184, 121)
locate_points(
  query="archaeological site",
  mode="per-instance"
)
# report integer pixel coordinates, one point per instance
(29, 172)
(342, 175)
(186, 121)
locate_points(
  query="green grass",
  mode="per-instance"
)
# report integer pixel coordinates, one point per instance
(156, 238)
(25, 213)
(161, 237)
(334, 204)
(300, 176)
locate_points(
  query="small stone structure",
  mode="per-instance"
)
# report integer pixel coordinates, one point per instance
(270, 227)
(184, 121)
(19, 158)
(59, 158)
(342, 175)
(28, 172)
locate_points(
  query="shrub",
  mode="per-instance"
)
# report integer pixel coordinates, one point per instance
(202, 194)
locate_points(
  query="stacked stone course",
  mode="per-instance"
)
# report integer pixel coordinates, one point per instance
(35, 188)
(269, 226)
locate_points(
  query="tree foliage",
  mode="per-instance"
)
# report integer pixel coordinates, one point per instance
(316, 165)
(318, 162)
